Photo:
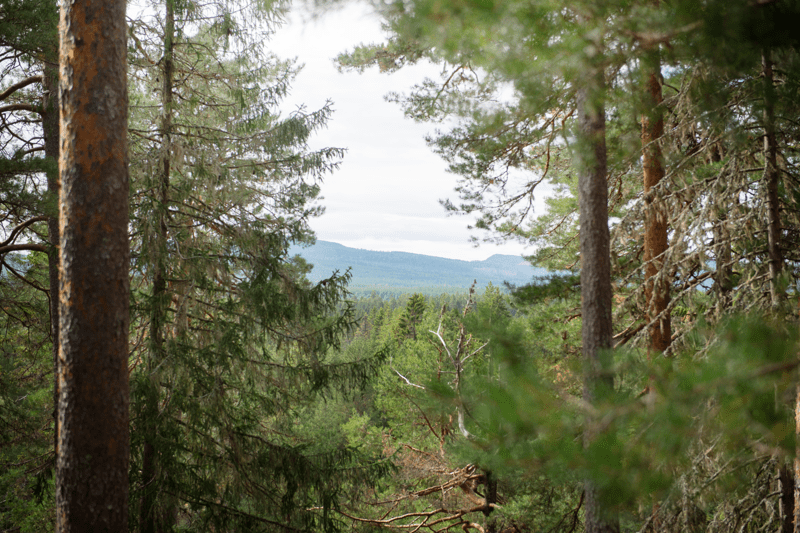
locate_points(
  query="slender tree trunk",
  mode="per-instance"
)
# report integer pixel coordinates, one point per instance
(149, 515)
(491, 499)
(771, 179)
(655, 220)
(50, 125)
(723, 273)
(92, 465)
(786, 481)
(723, 254)
(595, 270)
(796, 513)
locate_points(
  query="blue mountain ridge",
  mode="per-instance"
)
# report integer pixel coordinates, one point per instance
(409, 271)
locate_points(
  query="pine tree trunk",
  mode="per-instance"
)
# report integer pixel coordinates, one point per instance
(797, 461)
(50, 127)
(655, 220)
(786, 480)
(595, 269)
(723, 273)
(491, 498)
(92, 465)
(771, 179)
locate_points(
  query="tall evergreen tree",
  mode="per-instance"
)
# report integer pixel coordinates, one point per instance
(234, 340)
(657, 282)
(595, 263)
(28, 200)
(92, 461)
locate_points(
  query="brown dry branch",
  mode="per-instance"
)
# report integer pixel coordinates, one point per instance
(20, 85)
(447, 519)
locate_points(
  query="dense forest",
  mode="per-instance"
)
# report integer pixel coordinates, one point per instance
(167, 365)
(393, 274)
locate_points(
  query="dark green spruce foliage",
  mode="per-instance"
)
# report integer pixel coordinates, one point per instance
(27, 37)
(411, 317)
(28, 26)
(264, 402)
(26, 398)
(231, 343)
(27, 33)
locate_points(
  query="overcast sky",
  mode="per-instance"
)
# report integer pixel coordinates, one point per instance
(386, 194)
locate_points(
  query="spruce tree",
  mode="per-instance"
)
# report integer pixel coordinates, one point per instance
(233, 339)
(29, 213)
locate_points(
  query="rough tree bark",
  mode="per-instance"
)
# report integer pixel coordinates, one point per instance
(596, 291)
(93, 444)
(796, 499)
(655, 220)
(50, 126)
(786, 482)
(771, 180)
(723, 251)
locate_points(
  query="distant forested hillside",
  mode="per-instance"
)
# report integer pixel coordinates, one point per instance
(402, 272)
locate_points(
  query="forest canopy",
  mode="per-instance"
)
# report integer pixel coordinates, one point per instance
(651, 385)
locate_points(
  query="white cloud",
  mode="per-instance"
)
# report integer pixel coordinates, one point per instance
(386, 194)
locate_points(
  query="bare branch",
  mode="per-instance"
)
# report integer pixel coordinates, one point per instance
(407, 380)
(19, 85)
(23, 278)
(32, 150)
(425, 515)
(15, 232)
(650, 39)
(476, 351)
(21, 107)
(444, 344)
(23, 247)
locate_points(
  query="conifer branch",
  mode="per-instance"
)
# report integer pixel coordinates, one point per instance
(21, 107)
(16, 231)
(19, 85)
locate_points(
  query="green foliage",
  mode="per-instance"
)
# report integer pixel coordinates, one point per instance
(28, 39)
(411, 317)
(735, 399)
(262, 400)
(238, 354)
(707, 416)
(26, 399)
(509, 76)
(29, 26)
